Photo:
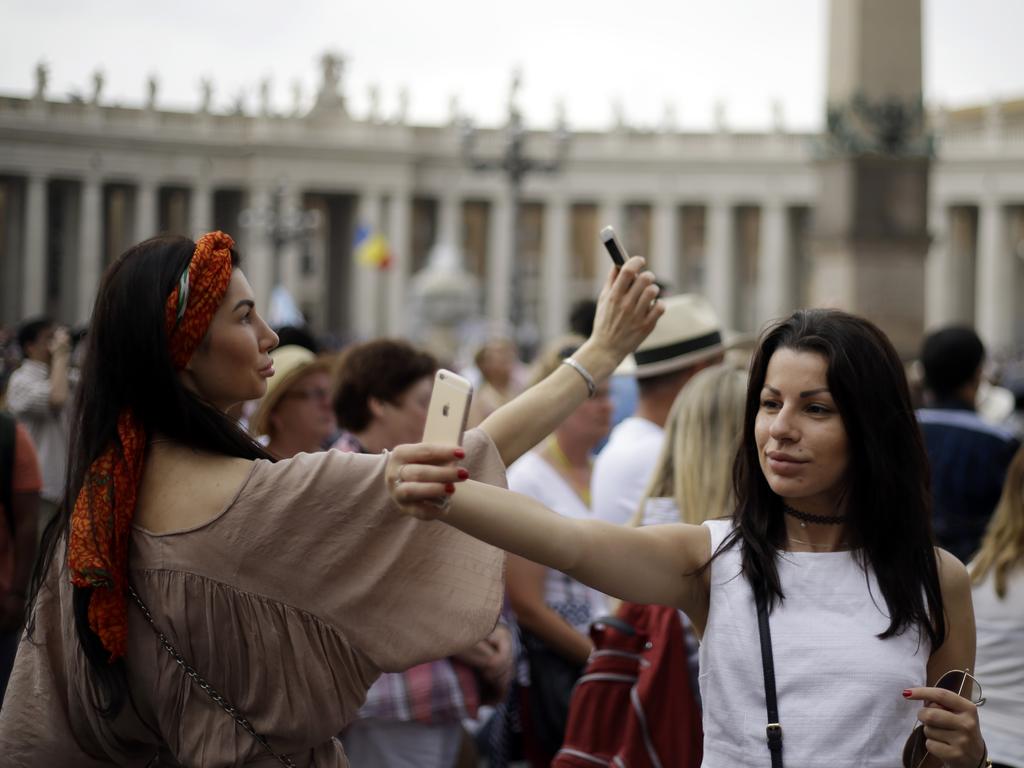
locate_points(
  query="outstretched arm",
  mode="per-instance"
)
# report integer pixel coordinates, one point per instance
(644, 565)
(627, 311)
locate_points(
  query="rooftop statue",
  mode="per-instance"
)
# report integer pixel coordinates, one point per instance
(42, 78)
(721, 118)
(403, 106)
(206, 94)
(373, 96)
(97, 85)
(329, 99)
(453, 109)
(778, 116)
(669, 118)
(152, 86)
(265, 106)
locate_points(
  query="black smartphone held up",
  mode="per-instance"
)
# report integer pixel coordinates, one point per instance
(613, 246)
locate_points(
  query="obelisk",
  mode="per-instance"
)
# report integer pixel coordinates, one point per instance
(871, 232)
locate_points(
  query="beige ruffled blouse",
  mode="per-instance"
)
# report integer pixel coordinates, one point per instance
(290, 602)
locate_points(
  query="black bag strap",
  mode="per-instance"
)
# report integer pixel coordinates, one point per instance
(616, 623)
(8, 438)
(240, 720)
(773, 732)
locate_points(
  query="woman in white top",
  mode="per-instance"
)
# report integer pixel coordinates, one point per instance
(554, 611)
(997, 573)
(831, 525)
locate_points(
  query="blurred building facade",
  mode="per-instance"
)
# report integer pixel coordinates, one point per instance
(726, 213)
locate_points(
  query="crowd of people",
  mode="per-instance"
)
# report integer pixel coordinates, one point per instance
(224, 545)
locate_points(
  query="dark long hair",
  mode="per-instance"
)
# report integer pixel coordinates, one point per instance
(128, 365)
(887, 484)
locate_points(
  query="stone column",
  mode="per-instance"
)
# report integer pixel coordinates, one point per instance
(499, 267)
(664, 258)
(450, 221)
(775, 267)
(555, 268)
(291, 249)
(995, 284)
(90, 261)
(942, 288)
(33, 299)
(201, 209)
(367, 278)
(146, 202)
(258, 250)
(720, 270)
(400, 215)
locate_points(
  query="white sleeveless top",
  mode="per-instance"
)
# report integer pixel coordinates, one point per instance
(839, 686)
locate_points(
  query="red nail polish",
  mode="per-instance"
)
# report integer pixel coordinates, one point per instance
(463, 474)
(907, 693)
(449, 488)
(459, 453)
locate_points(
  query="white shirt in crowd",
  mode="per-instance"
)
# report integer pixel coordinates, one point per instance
(623, 469)
(577, 603)
(28, 399)
(999, 666)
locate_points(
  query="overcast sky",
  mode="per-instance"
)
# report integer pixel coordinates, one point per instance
(588, 53)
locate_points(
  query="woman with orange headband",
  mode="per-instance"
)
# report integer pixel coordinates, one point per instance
(198, 603)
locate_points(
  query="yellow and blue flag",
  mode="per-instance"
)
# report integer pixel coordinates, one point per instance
(371, 248)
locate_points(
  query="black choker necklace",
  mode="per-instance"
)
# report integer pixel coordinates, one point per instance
(807, 517)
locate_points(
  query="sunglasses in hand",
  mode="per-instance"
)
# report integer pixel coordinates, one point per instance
(958, 681)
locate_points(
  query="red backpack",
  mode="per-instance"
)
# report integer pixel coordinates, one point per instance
(633, 707)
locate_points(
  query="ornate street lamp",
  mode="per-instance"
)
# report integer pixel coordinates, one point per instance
(514, 163)
(281, 225)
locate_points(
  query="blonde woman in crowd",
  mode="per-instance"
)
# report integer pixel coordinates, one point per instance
(997, 574)
(554, 611)
(692, 481)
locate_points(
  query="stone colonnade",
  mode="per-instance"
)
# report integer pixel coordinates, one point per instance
(66, 224)
(727, 214)
(975, 272)
(975, 269)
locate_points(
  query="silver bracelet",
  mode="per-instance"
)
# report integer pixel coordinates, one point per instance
(587, 378)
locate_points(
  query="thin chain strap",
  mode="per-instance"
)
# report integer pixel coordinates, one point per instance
(238, 717)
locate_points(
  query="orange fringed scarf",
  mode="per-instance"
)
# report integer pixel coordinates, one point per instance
(102, 518)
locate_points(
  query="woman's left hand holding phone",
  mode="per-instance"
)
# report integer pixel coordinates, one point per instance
(421, 478)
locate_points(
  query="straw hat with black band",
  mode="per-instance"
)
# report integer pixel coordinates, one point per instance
(688, 333)
(291, 363)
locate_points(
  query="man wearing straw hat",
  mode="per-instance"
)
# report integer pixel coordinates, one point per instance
(688, 338)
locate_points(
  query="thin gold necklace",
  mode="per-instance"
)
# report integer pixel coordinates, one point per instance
(842, 544)
(559, 455)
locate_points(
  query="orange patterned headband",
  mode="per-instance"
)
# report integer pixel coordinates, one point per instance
(192, 303)
(102, 518)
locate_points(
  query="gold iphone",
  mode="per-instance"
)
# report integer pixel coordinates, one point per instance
(448, 410)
